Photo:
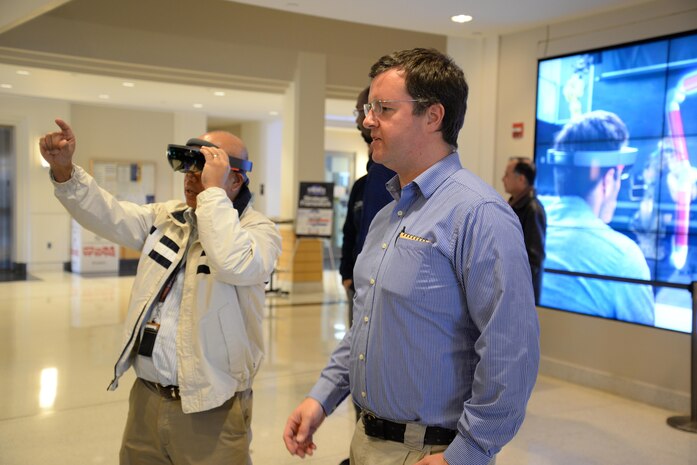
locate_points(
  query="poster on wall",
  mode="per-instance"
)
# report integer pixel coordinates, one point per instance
(126, 180)
(315, 209)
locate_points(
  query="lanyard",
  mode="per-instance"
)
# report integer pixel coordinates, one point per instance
(170, 282)
(165, 291)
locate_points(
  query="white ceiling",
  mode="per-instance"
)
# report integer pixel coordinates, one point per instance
(491, 17)
(433, 16)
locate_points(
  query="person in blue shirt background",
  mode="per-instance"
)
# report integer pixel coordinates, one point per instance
(444, 351)
(589, 156)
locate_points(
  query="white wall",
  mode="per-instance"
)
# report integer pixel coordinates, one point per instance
(37, 215)
(478, 58)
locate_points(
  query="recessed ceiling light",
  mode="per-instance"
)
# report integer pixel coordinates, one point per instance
(6, 86)
(104, 96)
(128, 84)
(23, 72)
(198, 105)
(461, 18)
(219, 93)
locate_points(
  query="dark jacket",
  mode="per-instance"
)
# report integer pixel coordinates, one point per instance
(534, 223)
(375, 197)
(352, 225)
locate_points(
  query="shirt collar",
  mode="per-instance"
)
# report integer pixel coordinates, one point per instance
(190, 217)
(428, 181)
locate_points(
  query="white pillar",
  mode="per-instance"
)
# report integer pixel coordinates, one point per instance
(264, 142)
(303, 128)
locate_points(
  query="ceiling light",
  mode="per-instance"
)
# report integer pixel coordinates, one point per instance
(461, 18)
(219, 93)
(23, 72)
(6, 86)
(128, 84)
(104, 96)
(198, 105)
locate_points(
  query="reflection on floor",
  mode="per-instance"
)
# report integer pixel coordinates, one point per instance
(59, 335)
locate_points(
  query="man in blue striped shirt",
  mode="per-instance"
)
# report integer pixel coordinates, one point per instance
(444, 348)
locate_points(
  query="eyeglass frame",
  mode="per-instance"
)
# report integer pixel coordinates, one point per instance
(370, 106)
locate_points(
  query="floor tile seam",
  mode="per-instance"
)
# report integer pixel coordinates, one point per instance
(63, 410)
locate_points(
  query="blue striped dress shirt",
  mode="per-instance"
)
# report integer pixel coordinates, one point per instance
(445, 330)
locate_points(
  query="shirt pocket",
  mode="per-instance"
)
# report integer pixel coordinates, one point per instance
(408, 274)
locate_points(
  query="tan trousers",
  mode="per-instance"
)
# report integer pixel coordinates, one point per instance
(158, 432)
(371, 451)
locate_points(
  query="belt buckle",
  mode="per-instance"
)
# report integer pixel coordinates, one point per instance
(374, 426)
(169, 391)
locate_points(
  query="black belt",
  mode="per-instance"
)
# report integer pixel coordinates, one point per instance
(168, 392)
(388, 430)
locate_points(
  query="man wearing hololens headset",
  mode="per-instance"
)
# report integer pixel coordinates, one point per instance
(193, 331)
(588, 159)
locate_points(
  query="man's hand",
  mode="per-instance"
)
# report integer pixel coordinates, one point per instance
(300, 427)
(435, 459)
(217, 168)
(57, 148)
(347, 283)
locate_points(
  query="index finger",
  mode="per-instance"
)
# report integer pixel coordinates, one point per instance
(67, 131)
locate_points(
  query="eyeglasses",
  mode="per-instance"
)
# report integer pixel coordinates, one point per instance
(376, 105)
(357, 112)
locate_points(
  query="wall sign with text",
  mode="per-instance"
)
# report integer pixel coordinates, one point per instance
(315, 209)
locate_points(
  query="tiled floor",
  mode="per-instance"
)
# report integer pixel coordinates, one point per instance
(65, 329)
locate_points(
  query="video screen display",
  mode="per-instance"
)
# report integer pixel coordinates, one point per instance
(616, 156)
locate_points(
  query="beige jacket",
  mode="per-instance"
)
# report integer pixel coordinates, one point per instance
(219, 336)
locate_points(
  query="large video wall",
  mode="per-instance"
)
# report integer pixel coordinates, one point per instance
(616, 151)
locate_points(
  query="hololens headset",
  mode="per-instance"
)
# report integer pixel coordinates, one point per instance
(602, 158)
(189, 159)
(624, 156)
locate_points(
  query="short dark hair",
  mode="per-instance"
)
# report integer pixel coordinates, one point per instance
(525, 167)
(431, 77)
(595, 130)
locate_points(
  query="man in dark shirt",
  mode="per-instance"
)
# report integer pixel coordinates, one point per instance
(519, 180)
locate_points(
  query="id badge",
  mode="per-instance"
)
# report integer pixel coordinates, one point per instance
(147, 343)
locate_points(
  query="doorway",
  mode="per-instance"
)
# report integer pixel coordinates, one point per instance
(339, 169)
(6, 197)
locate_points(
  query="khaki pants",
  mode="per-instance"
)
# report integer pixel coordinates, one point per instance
(372, 451)
(158, 432)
